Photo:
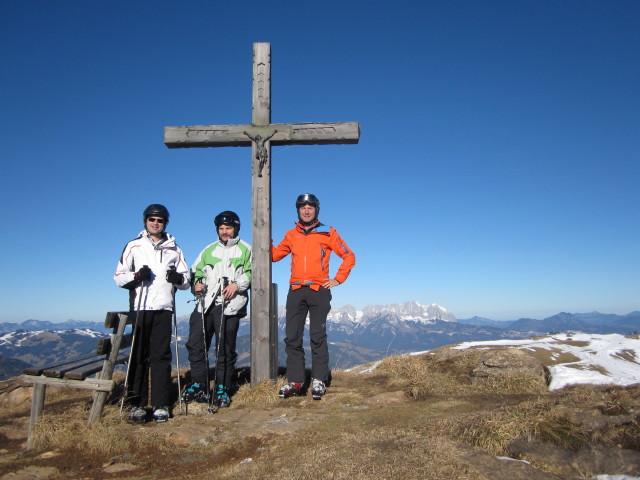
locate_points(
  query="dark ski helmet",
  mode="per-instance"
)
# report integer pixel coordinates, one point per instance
(228, 218)
(308, 199)
(156, 209)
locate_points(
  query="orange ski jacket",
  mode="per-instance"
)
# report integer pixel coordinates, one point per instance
(310, 252)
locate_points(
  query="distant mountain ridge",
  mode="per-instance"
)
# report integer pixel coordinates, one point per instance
(355, 336)
(592, 322)
(349, 316)
(37, 325)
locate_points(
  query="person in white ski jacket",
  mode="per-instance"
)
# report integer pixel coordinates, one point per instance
(221, 276)
(151, 267)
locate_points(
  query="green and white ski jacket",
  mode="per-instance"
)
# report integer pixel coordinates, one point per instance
(157, 293)
(216, 261)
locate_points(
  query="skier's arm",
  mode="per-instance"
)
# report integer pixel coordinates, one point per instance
(124, 276)
(244, 280)
(196, 269)
(341, 249)
(282, 250)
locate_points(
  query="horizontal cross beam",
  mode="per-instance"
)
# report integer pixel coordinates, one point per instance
(283, 134)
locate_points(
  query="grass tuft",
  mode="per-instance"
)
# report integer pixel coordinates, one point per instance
(263, 395)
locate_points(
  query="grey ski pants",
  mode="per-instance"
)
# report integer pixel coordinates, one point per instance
(301, 302)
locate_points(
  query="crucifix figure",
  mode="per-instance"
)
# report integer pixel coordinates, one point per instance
(260, 135)
(263, 155)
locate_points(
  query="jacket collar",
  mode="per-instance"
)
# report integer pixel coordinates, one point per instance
(168, 241)
(231, 242)
(309, 228)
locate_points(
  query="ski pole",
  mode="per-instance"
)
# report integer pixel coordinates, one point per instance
(225, 283)
(175, 333)
(133, 341)
(201, 298)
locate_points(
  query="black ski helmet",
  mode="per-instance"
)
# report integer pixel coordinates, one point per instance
(156, 209)
(228, 218)
(308, 199)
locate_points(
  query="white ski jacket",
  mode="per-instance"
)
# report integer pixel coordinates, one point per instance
(232, 261)
(157, 293)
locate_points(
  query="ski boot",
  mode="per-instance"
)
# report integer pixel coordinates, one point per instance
(291, 389)
(161, 414)
(196, 392)
(318, 389)
(221, 398)
(138, 415)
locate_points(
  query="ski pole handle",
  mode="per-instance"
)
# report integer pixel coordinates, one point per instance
(202, 292)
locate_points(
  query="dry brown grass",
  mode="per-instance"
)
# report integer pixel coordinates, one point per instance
(493, 431)
(552, 356)
(628, 355)
(421, 376)
(111, 436)
(429, 435)
(263, 395)
(574, 343)
(339, 448)
(521, 383)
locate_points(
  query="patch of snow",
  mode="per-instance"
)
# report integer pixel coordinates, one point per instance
(615, 477)
(420, 353)
(364, 368)
(600, 359)
(509, 459)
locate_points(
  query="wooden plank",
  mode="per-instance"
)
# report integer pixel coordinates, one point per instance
(261, 205)
(285, 134)
(261, 106)
(87, 370)
(104, 344)
(112, 319)
(88, 384)
(40, 370)
(59, 371)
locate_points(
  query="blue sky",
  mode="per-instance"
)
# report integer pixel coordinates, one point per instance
(496, 175)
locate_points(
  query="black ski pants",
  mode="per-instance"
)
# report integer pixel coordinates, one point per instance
(199, 344)
(151, 353)
(301, 302)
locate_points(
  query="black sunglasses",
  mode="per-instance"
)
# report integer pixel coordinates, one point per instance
(157, 220)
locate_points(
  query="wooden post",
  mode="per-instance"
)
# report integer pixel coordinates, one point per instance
(274, 331)
(261, 359)
(109, 365)
(37, 405)
(261, 135)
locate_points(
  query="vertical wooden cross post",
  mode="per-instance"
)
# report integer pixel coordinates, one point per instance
(261, 134)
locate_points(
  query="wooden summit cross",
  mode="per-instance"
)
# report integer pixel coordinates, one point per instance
(261, 134)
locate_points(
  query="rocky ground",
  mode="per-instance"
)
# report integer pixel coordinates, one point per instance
(397, 420)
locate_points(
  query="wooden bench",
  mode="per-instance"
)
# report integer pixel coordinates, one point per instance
(76, 373)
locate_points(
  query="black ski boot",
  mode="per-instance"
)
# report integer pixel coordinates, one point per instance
(196, 392)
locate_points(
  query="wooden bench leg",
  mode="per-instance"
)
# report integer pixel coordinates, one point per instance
(98, 405)
(37, 406)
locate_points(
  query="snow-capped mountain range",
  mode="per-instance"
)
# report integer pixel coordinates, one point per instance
(401, 315)
(355, 336)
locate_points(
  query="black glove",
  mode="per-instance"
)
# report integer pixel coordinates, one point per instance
(143, 274)
(174, 277)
